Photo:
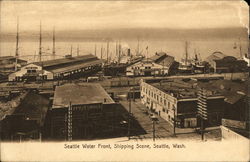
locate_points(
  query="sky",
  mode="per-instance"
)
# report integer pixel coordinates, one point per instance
(80, 15)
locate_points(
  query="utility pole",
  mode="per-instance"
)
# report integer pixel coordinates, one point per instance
(17, 44)
(174, 121)
(129, 117)
(153, 130)
(202, 109)
(40, 43)
(154, 119)
(70, 122)
(54, 50)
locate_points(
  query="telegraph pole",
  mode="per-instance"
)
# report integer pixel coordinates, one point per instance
(174, 121)
(154, 119)
(70, 122)
(153, 130)
(202, 109)
(129, 118)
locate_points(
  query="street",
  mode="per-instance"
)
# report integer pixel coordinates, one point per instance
(163, 130)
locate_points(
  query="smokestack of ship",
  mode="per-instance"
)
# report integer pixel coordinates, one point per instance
(129, 52)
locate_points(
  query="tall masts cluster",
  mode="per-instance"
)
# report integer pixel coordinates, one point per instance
(40, 43)
(54, 40)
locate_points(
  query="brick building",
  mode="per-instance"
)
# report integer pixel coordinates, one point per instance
(176, 99)
(94, 113)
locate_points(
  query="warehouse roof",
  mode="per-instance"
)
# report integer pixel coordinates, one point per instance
(75, 67)
(88, 93)
(9, 57)
(65, 60)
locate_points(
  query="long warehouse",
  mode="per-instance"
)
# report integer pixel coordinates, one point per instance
(68, 67)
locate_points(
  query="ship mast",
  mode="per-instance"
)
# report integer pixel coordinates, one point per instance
(138, 46)
(77, 50)
(54, 51)
(17, 44)
(101, 52)
(186, 54)
(71, 50)
(95, 49)
(40, 43)
(119, 52)
(240, 49)
(108, 52)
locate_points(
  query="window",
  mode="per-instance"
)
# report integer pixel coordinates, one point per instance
(165, 102)
(157, 98)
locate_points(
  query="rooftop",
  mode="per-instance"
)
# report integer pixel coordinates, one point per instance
(66, 60)
(33, 110)
(158, 56)
(2, 58)
(183, 89)
(88, 93)
(75, 67)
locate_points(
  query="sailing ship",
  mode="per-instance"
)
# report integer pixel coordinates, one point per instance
(185, 65)
(198, 65)
(122, 60)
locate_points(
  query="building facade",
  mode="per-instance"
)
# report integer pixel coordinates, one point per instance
(146, 68)
(30, 72)
(94, 113)
(180, 105)
(66, 68)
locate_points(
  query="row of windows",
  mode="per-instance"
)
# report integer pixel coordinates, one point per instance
(159, 99)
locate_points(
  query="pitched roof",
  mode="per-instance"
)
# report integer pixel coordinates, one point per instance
(80, 94)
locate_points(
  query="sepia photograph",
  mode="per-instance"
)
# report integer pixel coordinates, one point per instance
(121, 80)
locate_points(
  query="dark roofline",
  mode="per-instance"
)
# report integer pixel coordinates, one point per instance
(65, 60)
(10, 57)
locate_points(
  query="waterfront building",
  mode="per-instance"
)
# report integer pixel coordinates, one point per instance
(65, 68)
(158, 65)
